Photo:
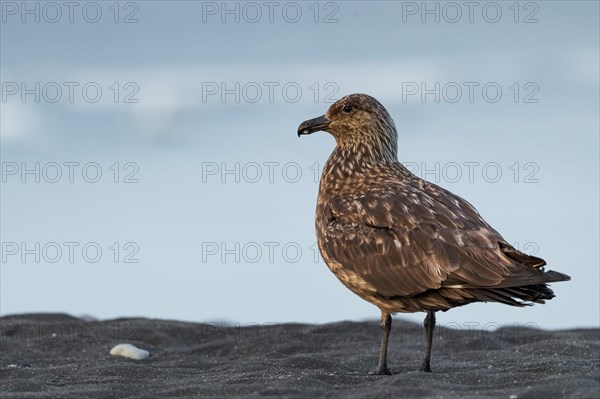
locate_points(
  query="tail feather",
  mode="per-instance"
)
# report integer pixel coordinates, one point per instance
(552, 277)
(522, 295)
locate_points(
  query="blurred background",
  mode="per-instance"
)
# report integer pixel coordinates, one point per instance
(150, 163)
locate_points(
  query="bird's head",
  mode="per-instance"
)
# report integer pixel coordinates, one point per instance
(357, 121)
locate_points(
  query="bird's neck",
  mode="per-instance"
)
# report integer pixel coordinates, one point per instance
(349, 163)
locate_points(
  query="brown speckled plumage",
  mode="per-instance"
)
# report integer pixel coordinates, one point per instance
(402, 243)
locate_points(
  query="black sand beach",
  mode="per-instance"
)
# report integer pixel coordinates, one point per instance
(56, 355)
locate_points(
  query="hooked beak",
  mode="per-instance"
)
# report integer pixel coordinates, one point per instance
(313, 125)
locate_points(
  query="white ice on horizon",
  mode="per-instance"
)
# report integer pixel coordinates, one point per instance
(129, 351)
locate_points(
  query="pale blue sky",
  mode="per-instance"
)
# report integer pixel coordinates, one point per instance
(174, 130)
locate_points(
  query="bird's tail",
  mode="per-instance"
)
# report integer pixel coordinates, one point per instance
(525, 294)
(552, 277)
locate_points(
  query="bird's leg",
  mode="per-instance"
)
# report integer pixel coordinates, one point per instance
(429, 324)
(386, 326)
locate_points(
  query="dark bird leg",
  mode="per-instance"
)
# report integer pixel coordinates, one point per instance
(386, 326)
(429, 324)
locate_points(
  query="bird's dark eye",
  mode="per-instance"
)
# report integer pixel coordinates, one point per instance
(347, 108)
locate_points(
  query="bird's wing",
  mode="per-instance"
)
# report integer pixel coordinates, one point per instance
(404, 240)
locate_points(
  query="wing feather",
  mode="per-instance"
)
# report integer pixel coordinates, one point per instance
(407, 239)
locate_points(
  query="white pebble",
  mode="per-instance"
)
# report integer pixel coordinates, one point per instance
(129, 351)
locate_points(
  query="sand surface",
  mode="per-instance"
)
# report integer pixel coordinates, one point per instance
(56, 355)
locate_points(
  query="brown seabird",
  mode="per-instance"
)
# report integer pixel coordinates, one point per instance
(402, 243)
